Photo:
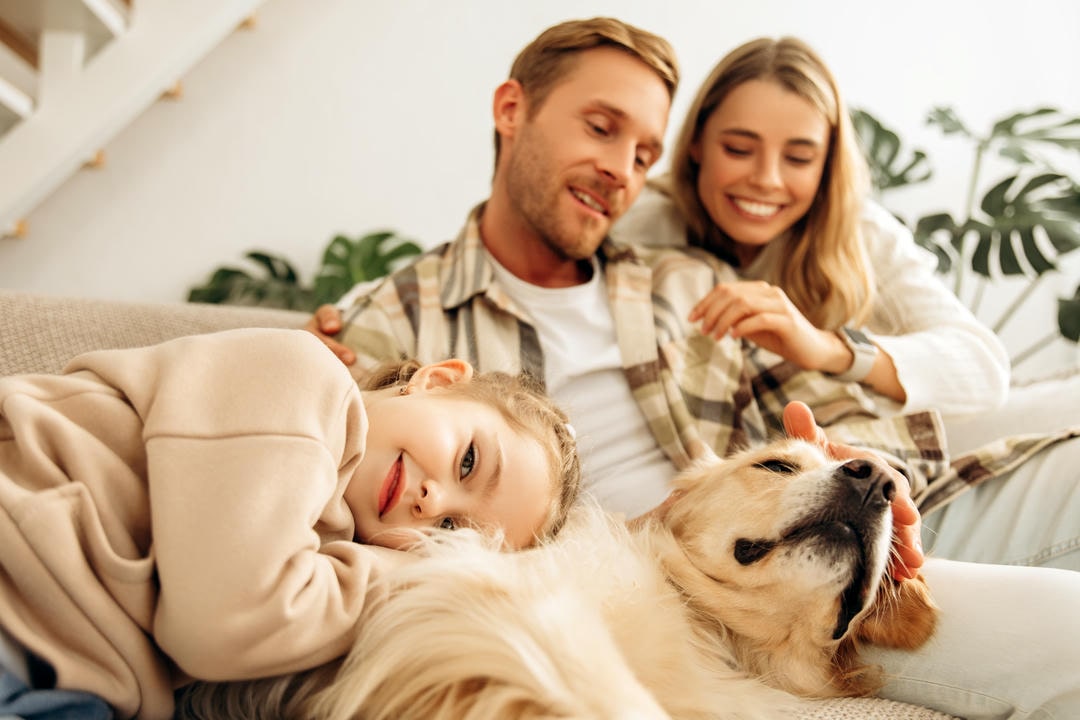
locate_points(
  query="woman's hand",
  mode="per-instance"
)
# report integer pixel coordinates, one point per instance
(763, 314)
(907, 556)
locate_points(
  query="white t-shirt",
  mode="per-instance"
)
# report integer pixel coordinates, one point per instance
(622, 464)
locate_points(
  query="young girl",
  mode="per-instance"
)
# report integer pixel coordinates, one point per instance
(212, 507)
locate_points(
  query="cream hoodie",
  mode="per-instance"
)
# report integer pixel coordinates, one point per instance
(176, 511)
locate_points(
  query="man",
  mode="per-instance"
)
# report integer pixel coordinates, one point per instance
(532, 284)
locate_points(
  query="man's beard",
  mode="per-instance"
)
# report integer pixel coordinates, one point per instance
(536, 196)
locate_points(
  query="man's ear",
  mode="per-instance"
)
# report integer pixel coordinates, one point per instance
(441, 374)
(508, 108)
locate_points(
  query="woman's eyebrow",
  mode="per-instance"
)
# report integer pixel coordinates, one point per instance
(743, 132)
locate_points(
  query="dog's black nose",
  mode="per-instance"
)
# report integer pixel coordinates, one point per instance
(870, 481)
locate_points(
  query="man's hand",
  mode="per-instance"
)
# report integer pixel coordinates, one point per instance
(325, 323)
(907, 523)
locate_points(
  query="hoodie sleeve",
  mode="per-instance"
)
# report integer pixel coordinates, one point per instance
(251, 438)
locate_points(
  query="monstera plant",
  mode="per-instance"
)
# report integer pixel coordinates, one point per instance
(1021, 226)
(345, 262)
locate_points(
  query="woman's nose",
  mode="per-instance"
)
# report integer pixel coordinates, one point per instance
(767, 173)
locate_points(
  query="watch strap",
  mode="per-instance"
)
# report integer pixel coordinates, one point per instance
(863, 350)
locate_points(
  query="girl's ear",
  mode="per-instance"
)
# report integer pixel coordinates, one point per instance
(441, 374)
(508, 108)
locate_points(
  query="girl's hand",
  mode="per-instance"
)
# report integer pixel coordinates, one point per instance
(907, 556)
(763, 314)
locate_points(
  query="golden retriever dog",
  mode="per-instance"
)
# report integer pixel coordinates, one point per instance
(752, 587)
(764, 573)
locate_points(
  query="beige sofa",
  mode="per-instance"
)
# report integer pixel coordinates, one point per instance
(41, 333)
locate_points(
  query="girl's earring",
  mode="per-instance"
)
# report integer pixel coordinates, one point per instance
(404, 390)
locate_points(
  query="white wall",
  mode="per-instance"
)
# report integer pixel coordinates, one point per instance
(343, 116)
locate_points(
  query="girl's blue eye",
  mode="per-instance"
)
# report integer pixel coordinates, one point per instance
(468, 460)
(447, 523)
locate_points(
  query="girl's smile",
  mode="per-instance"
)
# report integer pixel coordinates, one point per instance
(392, 487)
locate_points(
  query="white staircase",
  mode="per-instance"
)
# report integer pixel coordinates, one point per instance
(74, 73)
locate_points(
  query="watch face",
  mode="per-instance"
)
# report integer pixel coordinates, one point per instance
(857, 336)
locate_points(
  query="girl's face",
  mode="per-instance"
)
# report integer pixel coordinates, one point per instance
(435, 460)
(762, 154)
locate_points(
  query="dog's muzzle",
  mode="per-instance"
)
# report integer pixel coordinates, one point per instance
(849, 518)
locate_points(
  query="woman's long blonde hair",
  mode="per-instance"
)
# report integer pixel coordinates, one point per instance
(528, 409)
(826, 273)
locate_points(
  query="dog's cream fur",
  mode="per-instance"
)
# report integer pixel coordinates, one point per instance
(758, 579)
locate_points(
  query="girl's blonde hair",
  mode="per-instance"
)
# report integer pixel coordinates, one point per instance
(528, 409)
(826, 273)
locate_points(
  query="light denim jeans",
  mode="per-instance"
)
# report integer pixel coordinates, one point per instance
(1029, 517)
(1007, 645)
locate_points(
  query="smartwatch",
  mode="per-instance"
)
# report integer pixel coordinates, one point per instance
(865, 353)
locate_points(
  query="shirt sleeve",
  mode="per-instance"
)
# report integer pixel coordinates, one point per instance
(251, 437)
(378, 326)
(945, 357)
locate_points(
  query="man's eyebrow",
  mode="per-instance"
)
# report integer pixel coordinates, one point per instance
(654, 143)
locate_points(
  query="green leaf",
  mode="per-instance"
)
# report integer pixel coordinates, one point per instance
(1069, 316)
(881, 146)
(938, 233)
(949, 122)
(347, 262)
(1017, 210)
(277, 267)
(1043, 125)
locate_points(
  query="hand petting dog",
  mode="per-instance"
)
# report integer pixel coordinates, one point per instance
(908, 557)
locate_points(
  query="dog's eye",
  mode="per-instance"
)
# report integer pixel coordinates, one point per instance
(776, 465)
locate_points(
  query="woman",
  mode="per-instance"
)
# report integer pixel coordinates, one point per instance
(766, 175)
(208, 508)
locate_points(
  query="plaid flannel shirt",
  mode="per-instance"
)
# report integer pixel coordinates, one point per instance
(695, 392)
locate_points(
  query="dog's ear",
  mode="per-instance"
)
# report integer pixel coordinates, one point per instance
(903, 616)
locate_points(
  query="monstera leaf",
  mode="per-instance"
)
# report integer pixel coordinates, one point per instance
(949, 122)
(940, 234)
(1069, 316)
(1017, 209)
(882, 147)
(1020, 132)
(1023, 224)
